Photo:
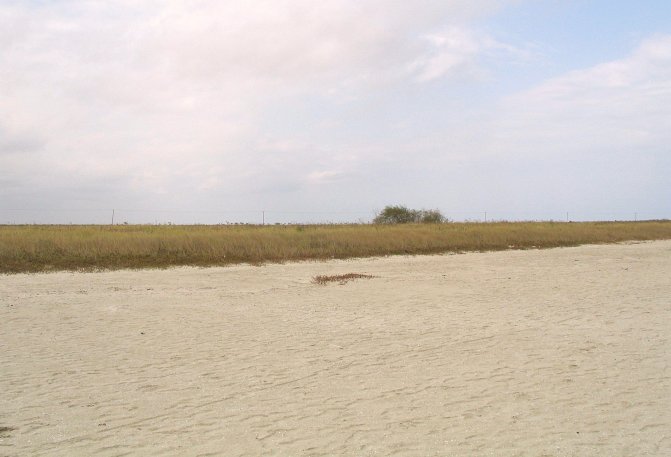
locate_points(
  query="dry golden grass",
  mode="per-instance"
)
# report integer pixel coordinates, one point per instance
(38, 248)
(322, 280)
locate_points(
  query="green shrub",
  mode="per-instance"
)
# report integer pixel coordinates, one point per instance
(395, 215)
(401, 215)
(432, 216)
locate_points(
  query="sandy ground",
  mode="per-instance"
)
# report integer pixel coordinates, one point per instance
(561, 352)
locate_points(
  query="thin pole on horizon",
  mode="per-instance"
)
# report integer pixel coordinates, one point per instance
(263, 217)
(485, 216)
(635, 217)
(112, 216)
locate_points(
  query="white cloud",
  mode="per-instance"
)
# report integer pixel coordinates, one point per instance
(158, 92)
(591, 140)
(617, 106)
(456, 51)
(195, 102)
(324, 176)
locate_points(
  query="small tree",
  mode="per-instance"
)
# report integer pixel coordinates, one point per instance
(395, 215)
(402, 215)
(431, 216)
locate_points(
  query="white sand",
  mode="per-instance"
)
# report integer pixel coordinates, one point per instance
(562, 352)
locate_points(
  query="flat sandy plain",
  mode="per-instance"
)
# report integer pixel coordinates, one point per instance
(558, 352)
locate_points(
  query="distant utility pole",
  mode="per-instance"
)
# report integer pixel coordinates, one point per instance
(485, 216)
(635, 217)
(263, 218)
(112, 217)
(566, 216)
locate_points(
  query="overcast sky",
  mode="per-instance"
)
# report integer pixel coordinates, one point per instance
(214, 110)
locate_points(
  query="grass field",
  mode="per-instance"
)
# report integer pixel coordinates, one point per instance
(38, 248)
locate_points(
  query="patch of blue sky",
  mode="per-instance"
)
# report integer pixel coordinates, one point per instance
(575, 34)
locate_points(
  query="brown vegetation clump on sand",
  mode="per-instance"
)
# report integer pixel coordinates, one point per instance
(35, 248)
(322, 280)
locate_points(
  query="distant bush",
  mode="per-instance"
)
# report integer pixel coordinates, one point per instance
(402, 215)
(431, 216)
(395, 215)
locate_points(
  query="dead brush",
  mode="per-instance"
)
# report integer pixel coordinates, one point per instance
(322, 280)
